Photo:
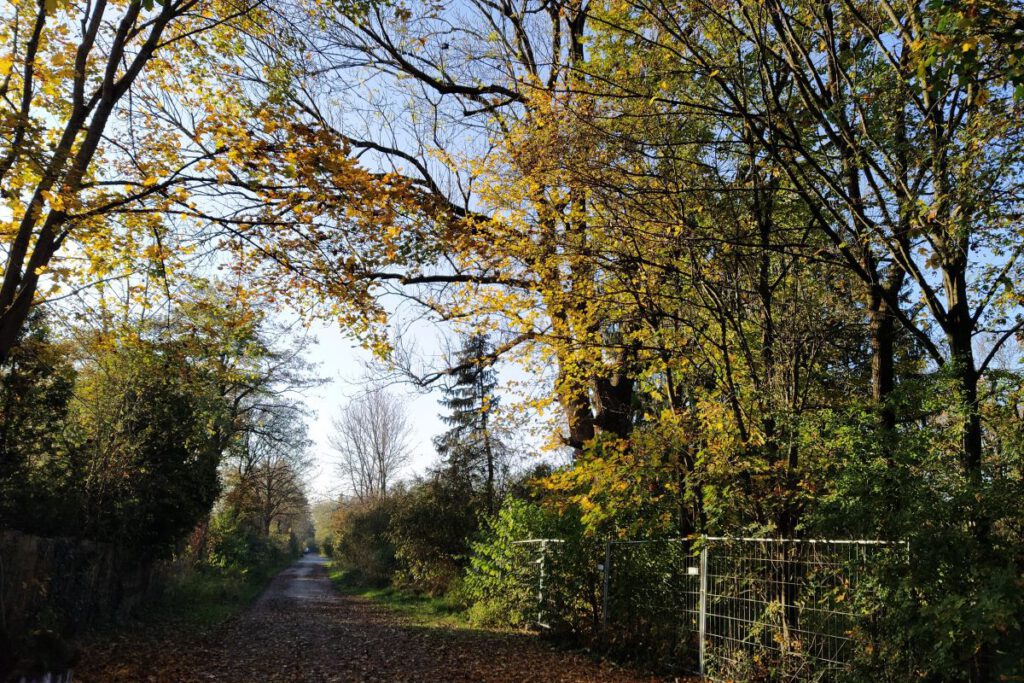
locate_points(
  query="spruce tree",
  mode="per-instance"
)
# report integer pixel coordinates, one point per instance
(471, 449)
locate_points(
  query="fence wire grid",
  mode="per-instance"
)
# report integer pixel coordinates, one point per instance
(536, 567)
(730, 608)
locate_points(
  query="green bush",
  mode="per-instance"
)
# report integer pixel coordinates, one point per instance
(431, 526)
(957, 591)
(503, 581)
(236, 546)
(363, 546)
(208, 594)
(115, 444)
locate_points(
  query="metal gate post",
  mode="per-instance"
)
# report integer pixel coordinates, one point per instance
(702, 624)
(604, 589)
(540, 582)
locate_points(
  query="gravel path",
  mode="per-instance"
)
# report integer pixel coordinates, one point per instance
(301, 629)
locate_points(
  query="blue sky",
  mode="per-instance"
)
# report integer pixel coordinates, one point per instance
(341, 364)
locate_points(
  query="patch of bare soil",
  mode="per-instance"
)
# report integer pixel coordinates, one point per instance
(301, 629)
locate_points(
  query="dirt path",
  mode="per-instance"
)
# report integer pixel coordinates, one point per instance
(301, 629)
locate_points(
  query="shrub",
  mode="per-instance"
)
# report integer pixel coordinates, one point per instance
(431, 525)
(503, 578)
(363, 546)
(237, 546)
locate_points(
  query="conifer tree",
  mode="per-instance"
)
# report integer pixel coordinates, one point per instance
(471, 448)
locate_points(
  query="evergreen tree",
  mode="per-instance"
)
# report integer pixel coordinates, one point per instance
(471, 449)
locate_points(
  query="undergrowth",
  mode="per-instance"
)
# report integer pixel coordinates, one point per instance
(445, 611)
(210, 596)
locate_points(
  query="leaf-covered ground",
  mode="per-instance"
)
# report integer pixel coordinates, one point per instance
(301, 629)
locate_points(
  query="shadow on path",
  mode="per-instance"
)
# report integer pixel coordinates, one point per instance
(301, 629)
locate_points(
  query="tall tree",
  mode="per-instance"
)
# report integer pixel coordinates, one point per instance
(473, 448)
(895, 178)
(371, 435)
(266, 464)
(84, 93)
(485, 73)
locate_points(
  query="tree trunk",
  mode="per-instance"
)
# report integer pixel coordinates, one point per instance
(489, 454)
(882, 327)
(613, 403)
(960, 338)
(580, 421)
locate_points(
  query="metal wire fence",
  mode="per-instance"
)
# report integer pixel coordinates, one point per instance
(651, 602)
(787, 607)
(535, 567)
(730, 608)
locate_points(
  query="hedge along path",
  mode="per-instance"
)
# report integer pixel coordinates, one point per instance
(302, 629)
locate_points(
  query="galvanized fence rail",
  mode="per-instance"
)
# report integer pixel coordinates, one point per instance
(537, 567)
(736, 608)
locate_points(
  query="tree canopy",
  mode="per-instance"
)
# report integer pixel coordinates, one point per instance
(760, 260)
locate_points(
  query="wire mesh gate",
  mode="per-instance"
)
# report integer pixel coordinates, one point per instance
(537, 564)
(789, 606)
(651, 602)
(736, 608)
